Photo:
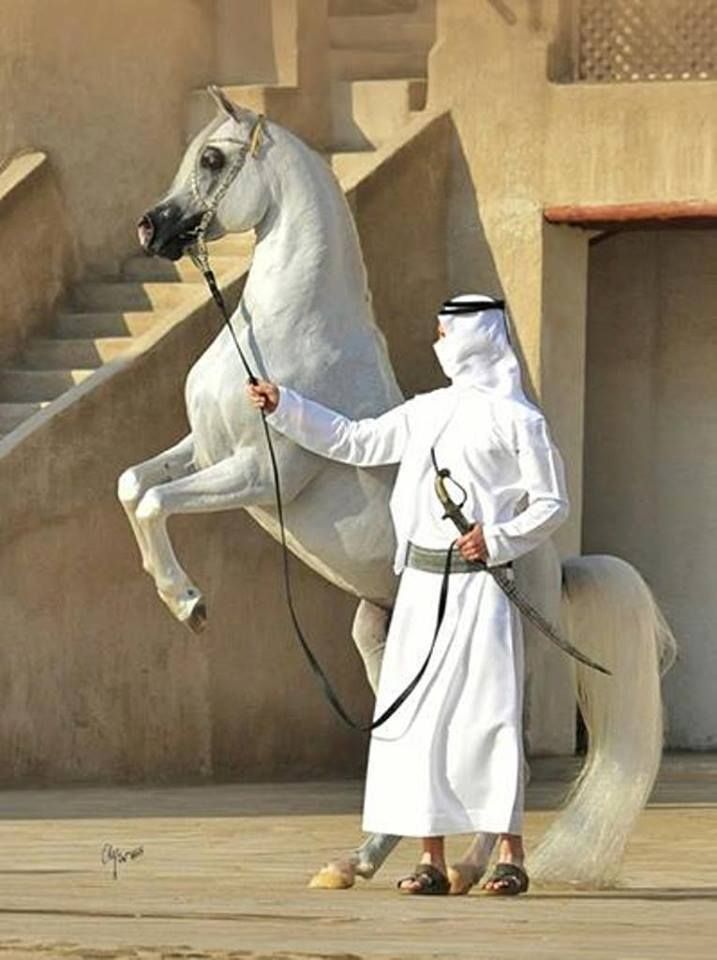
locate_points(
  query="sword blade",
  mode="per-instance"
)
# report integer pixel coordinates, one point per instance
(523, 604)
(518, 599)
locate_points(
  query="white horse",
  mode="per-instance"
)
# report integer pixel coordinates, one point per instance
(305, 320)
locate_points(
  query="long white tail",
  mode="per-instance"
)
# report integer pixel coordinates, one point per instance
(609, 612)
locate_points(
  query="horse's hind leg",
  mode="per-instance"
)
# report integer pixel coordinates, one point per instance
(369, 634)
(135, 481)
(466, 872)
(365, 861)
(369, 631)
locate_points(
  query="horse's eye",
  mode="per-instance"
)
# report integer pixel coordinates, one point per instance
(212, 159)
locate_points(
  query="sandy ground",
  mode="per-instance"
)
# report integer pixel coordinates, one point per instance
(224, 873)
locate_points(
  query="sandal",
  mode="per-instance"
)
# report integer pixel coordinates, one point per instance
(431, 882)
(507, 873)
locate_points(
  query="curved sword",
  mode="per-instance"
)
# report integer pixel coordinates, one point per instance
(454, 512)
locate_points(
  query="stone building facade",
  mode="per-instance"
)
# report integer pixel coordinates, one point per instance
(561, 152)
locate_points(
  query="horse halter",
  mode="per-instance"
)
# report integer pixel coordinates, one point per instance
(211, 200)
(198, 250)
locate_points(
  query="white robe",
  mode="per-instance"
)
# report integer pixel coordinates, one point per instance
(450, 760)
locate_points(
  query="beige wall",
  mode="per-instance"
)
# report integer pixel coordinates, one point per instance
(404, 247)
(651, 444)
(245, 47)
(619, 143)
(36, 247)
(101, 86)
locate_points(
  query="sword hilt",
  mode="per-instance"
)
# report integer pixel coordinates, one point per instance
(452, 509)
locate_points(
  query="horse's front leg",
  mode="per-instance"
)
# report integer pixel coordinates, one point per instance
(132, 485)
(239, 481)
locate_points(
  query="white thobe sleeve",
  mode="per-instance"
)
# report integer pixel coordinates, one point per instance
(363, 443)
(542, 476)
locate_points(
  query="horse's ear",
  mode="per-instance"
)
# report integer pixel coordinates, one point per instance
(224, 103)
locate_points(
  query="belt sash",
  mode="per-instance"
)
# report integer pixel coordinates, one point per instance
(429, 560)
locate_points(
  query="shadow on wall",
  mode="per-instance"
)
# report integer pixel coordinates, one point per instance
(401, 211)
(423, 240)
(471, 264)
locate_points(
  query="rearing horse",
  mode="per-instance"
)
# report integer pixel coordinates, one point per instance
(305, 319)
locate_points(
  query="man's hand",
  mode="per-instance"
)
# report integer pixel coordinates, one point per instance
(472, 545)
(263, 395)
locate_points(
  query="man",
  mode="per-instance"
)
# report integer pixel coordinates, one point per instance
(450, 760)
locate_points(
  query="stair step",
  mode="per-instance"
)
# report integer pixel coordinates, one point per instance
(13, 414)
(109, 295)
(363, 8)
(69, 354)
(396, 32)
(369, 112)
(18, 385)
(233, 244)
(146, 268)
(378, 64)
(82, 326)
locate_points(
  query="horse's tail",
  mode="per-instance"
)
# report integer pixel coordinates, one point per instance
(609, 612)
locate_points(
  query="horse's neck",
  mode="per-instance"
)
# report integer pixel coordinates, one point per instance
(307, 264)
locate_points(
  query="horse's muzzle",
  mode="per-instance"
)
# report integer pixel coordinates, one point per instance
(164, 231)
(145, 231)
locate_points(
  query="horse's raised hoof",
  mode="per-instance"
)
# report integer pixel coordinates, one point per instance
(337, 875)
(197, 619)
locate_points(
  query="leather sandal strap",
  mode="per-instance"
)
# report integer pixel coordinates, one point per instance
(430, 879)
(510, 873)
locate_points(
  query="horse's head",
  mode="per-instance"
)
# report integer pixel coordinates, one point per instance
(219, 187)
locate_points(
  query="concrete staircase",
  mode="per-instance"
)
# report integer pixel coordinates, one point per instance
(378, 60)
(99, 322)
(371, 41)
(378, 54)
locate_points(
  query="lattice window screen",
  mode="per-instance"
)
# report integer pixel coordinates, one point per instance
(629, 40)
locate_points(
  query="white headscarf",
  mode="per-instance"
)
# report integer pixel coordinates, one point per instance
(476, 352)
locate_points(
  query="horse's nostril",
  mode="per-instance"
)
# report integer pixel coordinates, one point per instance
(145, 230)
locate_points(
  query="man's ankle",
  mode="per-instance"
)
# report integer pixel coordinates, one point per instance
(434, 853)
(510, 848)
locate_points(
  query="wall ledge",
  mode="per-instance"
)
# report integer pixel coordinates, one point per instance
(600, 216)
(20, 171)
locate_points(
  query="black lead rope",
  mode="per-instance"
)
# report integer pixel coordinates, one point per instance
(316, 667)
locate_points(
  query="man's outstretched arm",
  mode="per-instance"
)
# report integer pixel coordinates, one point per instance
(368, 442)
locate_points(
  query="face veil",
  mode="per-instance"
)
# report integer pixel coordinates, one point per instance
(476, 350)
